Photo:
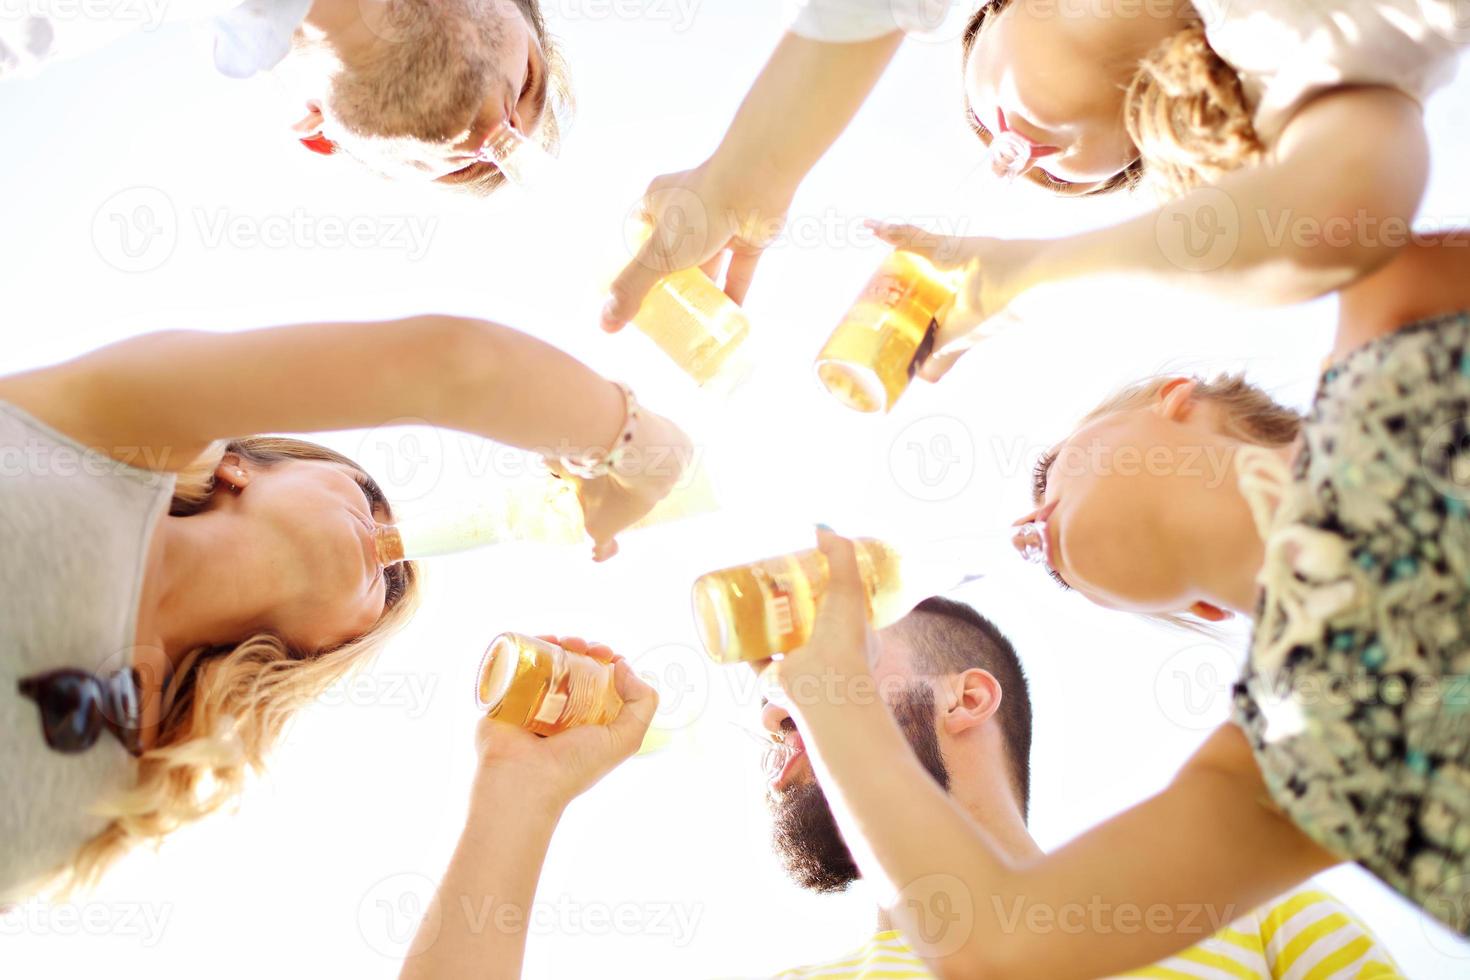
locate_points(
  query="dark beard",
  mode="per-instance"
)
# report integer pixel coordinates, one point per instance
(805, 831)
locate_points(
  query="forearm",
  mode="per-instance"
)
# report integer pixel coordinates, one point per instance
(478, 923)
(175, 392)
(1333, 204)
(776, 137)
(1156, 879)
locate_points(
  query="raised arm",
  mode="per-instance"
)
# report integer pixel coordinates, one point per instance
(161, 399)
(478, 921)
(1157, 878)
(799, 104)
(1333, 203)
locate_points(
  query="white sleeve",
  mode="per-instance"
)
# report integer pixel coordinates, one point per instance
(864, 20)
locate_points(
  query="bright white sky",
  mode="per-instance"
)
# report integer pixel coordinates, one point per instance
(664, 870)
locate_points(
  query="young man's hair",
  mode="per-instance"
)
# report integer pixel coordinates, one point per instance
(950, 637)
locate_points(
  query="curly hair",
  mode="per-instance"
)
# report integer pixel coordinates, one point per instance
(1184, 109)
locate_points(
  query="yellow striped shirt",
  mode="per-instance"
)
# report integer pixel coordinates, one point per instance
(1304, 935)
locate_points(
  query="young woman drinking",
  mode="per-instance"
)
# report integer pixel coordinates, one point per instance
(173, 593)
(1296, 113)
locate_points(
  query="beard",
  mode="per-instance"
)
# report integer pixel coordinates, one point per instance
(804, 830)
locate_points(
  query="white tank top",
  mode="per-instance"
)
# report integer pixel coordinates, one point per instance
(76, 527)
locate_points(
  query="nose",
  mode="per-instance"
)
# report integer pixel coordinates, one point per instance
(775, 718)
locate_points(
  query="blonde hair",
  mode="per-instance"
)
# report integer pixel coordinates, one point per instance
(1247, 413)
(1184, 109)
(225, 708)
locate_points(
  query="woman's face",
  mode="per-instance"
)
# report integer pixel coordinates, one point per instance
(1049, 73)
(1120, 498)
(313, 521)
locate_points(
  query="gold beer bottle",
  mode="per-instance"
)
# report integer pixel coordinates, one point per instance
(755, 611)
(544, 688)
(871, 357)
(538, 511)
(696, 324)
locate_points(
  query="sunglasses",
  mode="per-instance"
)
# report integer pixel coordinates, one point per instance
(76, 706)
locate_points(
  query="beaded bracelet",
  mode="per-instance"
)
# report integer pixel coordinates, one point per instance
(597, 463)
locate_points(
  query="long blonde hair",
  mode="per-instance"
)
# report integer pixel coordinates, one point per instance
(1184, 109)
(224, 709)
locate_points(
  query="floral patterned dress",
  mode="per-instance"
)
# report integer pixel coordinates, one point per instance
(1356, 696)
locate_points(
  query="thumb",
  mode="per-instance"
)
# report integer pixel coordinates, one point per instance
(910, 238)
(632, 285)
(846, 601)
(640, 701)
(937, 365)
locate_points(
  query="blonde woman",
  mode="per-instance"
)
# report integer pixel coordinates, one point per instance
(1303, 116)
(171, 594)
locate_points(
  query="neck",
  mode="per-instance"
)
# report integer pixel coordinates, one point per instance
(194, 597)
(1229, 540)
(993, 808)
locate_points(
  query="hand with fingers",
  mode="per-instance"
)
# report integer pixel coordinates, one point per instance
(842, 643)
(993, 274)
(564, 766)
(697, 218)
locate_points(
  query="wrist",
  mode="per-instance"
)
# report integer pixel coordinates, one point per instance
(737, 178)
(529, 792)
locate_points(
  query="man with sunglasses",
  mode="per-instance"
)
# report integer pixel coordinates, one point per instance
(417, 90)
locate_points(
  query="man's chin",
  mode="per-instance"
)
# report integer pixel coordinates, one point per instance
(807, 840)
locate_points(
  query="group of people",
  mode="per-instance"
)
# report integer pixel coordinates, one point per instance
(173, 595)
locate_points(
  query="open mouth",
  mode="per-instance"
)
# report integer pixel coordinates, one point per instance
(782, 760)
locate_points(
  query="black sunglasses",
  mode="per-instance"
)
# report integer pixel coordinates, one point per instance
(77, 705)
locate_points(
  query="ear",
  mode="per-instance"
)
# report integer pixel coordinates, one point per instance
(978, 697)
(1176, 398)
(1210, 612)
(231, 472)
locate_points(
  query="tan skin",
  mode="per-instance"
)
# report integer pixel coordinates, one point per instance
(352, 30)
(286, 547)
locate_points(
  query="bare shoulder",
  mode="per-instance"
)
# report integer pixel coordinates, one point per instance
(1429, 276)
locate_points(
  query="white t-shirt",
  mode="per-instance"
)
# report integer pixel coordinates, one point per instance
(1285, 51)
(246, 38)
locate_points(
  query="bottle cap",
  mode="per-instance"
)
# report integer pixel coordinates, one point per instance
(1009, 156)
(523, 161)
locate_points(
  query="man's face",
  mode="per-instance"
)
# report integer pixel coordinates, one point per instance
(424, 105)
(804, 828)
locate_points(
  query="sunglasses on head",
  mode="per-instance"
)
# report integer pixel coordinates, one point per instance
(77, 706)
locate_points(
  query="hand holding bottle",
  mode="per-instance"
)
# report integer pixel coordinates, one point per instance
(652, 467)
(992, 274)
(842, 645)
(558, 768)
(698, 217)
